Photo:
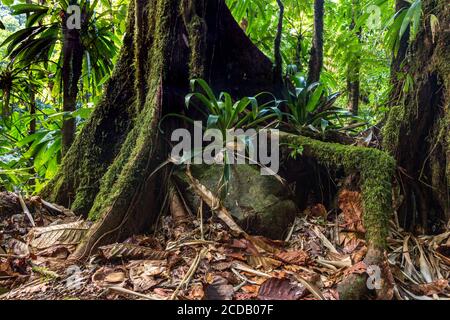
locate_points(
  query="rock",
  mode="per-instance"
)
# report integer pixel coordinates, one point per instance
(259, 204)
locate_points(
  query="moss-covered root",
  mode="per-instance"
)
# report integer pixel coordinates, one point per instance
(376, 169)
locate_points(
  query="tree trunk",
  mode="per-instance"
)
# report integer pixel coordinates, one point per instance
(278, 63)
(417, 133)
(316, 60)
(354, 67)
(72, 52)
(106, 174)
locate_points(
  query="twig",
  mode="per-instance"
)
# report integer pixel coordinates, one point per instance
(239, 286)
(188, 243)
(25, 210)
(291, 231)
(325, 241)
(188, 276)
(214, 203)
(241, 276)
(241, 267)
(312, 288)
(131, 293)
(7, 255)
(50, 206)
(202, 235)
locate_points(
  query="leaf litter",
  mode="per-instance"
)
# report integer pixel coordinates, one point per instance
(208, 260)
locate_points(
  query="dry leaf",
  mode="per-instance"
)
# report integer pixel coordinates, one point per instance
(106, 276)
(430, 289)
(244, 244)
(18, 248)
(317, 210)
(197, 292)
(281, 289)
(59, 252)
(220, 266)
(63, 234)
(265, 244)
(264, 263)
(219, 290)
(142, 274)
(131, 251)
(298, 257)
(350, 203)
(358, 268)
(115, 277)
(250, 289)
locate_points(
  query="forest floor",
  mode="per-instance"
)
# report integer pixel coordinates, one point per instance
(189, 260)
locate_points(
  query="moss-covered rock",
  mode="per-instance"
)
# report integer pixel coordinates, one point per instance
(259, 204)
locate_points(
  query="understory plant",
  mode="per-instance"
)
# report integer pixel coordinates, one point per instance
(312, 106)
(224, 113)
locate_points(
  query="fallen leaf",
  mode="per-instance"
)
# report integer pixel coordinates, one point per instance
(219, 290)
(106, 276)
(220, 266)
(236, 255)
(358, 268)
(115, 277)
(197, 292)
(246, 245)
(130, 251)
(330, 294)
(250, 289)
(59, 252)
(143, 273)
(5, 268)
(245, 296)
(265, 263)
(265, 244)
(430, 289)
(281, 289)
(63, 234)
(317, 210)
(298, 257)
(18, 248)
(350, 203)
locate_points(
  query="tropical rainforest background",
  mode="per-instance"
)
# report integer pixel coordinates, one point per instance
(359, 41)
(361, 89)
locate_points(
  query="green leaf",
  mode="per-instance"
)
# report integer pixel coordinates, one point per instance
(8, 2)
(28, 8)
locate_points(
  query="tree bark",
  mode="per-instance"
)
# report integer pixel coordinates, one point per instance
(107, 173)
(72, 52)
(278, 63)
(354, 67)
(417, 133)
(316, 60)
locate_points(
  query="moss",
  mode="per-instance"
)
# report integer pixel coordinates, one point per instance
(125, 175)
(376, 169)
(391, 130)
(193, 17)
(197, 40)
(94, 149)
